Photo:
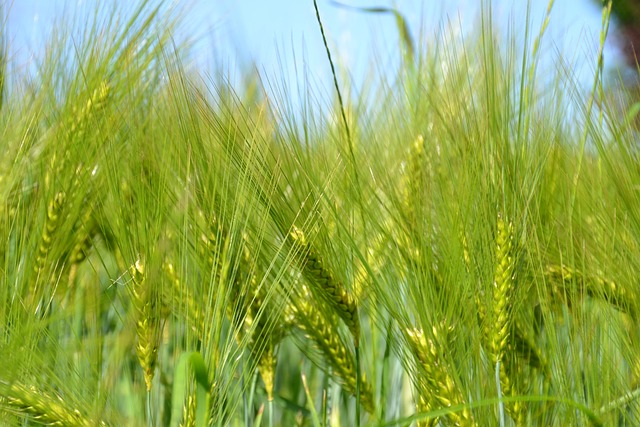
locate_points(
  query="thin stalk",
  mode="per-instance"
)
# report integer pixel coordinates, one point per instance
(358, 379)
(252, 391)
(150, 422)
(354, 165)
(335, 83)
(326, 401)
(270, 408)
(383, 375)
(245, 403)
(314, 415)
(500, 403)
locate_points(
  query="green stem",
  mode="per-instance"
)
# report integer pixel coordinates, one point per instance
(270, 406)
(149, 413)
(358, 380)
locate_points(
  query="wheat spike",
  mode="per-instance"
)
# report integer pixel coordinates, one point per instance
(330, 290)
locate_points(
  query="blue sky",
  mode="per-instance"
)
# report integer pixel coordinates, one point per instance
(279, 36)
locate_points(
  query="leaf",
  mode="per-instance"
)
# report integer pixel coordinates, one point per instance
(190, 363)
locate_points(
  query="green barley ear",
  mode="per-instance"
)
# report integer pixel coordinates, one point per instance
(498, 328)
(42, 407)
(375, 261)
(75, 129)
(435, 386)
(265, 326)
(54, 210)
(317, 325)
(594, 285)
(326, 286)
(189, 412)
(83, 237)
(93, 106)
(183, 299)
(524, 343)
(416, 181)
(145, 301)
(265, 334)
(502, 291)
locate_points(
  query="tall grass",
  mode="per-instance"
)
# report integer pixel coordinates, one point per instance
(176, 251)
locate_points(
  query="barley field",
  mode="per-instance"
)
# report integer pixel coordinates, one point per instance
(176, 251)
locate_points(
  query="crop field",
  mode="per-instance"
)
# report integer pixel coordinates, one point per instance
(178, 251)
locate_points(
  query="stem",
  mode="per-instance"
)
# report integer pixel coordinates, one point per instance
(500, 403)
(270, 405)
(383, 375)
(354, 165)
(149, 413)
(358, 379)
(326, 401)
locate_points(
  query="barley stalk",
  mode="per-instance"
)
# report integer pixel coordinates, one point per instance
(75, 129)
(330, 290)
(375, 258)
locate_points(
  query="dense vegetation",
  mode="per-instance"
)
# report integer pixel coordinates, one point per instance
(175, 251)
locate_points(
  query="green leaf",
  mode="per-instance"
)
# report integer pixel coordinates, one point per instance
(190, 363)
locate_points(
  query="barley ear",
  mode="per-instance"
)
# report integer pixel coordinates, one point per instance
(145, 301)
(180, 295)
(415, 181)
(436, 387)
(594, 285)
(43, 407)
(499, 328)
(502, 290)
(318, 327)
(328, 288)
(265, 334)
(52, 221)
(189, 412)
